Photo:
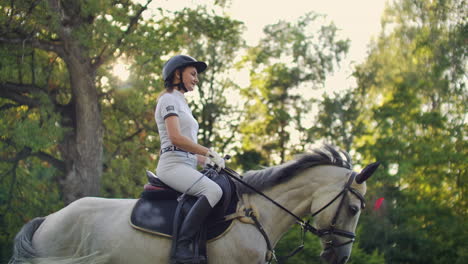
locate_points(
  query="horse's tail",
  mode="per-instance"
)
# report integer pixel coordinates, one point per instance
(22, 247)
(24, 252)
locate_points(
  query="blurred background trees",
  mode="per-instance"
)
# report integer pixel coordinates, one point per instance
(71, 125)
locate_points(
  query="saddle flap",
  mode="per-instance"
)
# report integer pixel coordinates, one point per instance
(228, 188)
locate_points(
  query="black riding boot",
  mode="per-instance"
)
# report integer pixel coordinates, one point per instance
(190, 227)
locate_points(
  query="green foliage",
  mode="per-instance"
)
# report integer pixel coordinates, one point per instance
(289, 58)
(19, 205)
(408, 111)
(130, 139)
(37, 103)
(292, 239)
(338, 120)
(360, 256)
(414, 231)
(216, 40)
(311, 252)
(415, 126)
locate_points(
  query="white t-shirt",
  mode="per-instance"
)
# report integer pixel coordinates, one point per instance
(170, 104)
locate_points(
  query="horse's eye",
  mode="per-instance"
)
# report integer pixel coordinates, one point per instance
(353, 209)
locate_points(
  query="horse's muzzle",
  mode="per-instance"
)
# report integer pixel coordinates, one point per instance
(330, 256)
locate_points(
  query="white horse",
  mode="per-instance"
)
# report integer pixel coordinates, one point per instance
(97, 230)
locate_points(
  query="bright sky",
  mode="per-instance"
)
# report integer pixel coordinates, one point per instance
(358, 20)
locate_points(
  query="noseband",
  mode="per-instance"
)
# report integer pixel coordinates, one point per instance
(332, 230)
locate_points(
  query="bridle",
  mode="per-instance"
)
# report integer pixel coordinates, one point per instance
(305, 225)
(332, 230)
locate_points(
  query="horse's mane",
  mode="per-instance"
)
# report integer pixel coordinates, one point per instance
(271, 176)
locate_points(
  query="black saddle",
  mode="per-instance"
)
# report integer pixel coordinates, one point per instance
(155, 211)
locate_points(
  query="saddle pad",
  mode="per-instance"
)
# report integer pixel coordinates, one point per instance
(154, 213)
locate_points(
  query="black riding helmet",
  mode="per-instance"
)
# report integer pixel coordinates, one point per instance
(180, 62)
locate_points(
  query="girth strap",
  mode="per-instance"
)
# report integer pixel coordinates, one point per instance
(260, 228)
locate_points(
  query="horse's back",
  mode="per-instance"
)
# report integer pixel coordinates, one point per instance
(97, 230)
(82, 225)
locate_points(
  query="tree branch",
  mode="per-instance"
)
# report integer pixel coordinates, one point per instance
(125, 139)
(19, 94)
(22, 154)
(17, 97)
(8, 106)
(58, 164)
(26, 152)
(33, 5)
(15, 93)
(53, 46)
(131, 27)
(129, 137)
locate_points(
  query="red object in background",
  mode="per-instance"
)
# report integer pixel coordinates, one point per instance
(378, 203)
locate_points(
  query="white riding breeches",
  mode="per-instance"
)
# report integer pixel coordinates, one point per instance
(178, 170)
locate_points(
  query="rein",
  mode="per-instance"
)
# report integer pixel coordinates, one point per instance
(305, 225)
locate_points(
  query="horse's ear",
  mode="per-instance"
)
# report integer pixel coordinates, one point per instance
(367, 172)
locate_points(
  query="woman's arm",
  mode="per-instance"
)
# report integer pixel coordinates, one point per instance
(180, 141)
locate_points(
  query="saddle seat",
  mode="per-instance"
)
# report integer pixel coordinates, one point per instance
(158, 211)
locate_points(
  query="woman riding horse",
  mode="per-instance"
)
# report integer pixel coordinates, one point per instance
(321, 183)
(180, 151)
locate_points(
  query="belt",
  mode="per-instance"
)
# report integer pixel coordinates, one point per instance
(173, 148)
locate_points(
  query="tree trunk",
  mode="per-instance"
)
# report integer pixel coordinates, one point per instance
(82, 147)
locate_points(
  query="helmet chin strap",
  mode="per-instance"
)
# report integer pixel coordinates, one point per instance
(181, 85)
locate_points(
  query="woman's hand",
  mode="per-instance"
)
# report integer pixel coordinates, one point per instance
(216, 159)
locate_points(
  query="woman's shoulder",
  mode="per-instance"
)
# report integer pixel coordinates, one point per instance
(166, 96)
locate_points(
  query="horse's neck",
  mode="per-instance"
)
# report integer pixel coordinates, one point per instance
(296, 195)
